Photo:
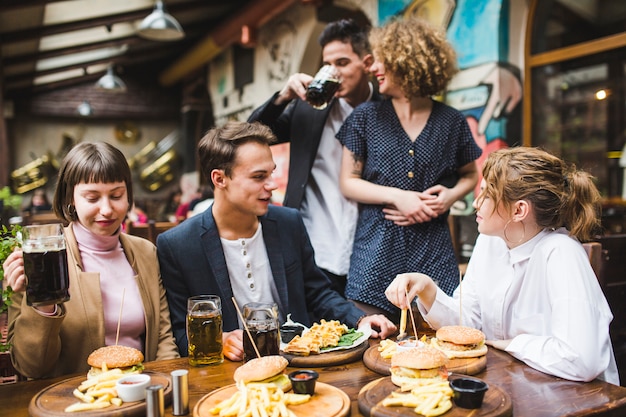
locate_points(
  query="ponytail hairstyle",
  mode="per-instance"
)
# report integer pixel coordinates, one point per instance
(560, 194)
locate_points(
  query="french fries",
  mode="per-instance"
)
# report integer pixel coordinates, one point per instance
(430, 400)
(97, 392)
(259, 400)
(387, 348)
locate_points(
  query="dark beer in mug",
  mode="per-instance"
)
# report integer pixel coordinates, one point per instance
(323, 87)
(48, 281)
(45, 265)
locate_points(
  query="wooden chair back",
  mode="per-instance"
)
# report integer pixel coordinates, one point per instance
(149, 231)
(596, 259)
(40, 218)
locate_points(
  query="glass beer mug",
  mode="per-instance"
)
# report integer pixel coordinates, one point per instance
(204, 330)
(323, 87)
(262, 322)
(45, 264)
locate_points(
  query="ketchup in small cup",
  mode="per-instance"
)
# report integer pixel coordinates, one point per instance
(132, 387)
(303, 381)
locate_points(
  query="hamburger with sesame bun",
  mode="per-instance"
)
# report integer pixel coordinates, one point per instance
(266, 369)
(413, 366)
(460, 342)
(128, 359)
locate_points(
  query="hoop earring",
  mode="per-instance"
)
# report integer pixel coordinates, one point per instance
(523, 233)
(71, 211)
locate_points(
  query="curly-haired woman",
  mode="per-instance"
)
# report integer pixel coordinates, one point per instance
(406, 159)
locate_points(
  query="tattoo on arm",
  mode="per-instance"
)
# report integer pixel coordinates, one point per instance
(357, 166)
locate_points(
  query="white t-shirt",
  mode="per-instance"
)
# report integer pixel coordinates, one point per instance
(330, 218)
(545, 297)
(250, 271)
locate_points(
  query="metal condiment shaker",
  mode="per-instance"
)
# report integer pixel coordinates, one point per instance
(180, 392)
(155, 402)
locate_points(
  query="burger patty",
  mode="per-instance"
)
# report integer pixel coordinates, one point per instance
(455, 347)
(415, 373)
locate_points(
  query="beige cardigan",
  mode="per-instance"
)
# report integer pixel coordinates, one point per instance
(51, 346)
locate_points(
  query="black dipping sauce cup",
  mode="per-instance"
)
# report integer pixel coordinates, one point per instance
(288, 332)
(468, 392)
(303, 382)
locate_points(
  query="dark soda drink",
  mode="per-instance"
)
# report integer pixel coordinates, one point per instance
(320, 92)
(47, 274)
(266, 341)
(323, 87)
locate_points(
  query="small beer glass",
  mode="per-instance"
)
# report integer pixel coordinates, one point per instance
(45, 264)
(204, 330)
(323, 87)
(262, 322)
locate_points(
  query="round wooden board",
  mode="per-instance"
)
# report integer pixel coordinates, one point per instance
(496, 403)
(469, 366)
(328, 401)
(337, 357)
(52, 401)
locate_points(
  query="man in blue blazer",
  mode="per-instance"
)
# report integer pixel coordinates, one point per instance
(315, 153)
(244, 247)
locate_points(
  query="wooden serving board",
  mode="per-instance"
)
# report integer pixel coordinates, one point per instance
(469, 366)
(337, 357)
(52, 401)
(328, 401)
(496, 403)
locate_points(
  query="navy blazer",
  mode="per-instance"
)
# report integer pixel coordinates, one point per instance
(301, 125)
(192, 263)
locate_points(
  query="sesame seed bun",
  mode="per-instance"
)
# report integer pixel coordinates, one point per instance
(461, 335)
(115, 357)
(419, 358)
(261, 368)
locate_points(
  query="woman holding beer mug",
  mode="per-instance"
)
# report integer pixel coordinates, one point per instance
(529, 285)
(113, 276)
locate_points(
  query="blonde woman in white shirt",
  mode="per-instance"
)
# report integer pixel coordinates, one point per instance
(529, 285)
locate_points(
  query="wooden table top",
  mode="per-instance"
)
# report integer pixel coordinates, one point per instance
(533, 393)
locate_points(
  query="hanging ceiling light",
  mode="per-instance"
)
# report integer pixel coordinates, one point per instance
(84, 109)
(160, 25)
(111, 82)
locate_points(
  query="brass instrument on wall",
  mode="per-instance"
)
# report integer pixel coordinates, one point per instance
(34, 174)
(157, 164)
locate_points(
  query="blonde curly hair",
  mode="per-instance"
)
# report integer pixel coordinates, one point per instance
(416, 56)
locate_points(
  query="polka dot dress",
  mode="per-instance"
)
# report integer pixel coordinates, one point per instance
(381, 249)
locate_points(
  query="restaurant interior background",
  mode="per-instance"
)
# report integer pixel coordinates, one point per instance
(548, 73)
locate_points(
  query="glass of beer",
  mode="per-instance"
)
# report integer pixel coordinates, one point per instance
(323, 87)
(262, 322)
(45, 264)
(204, 330)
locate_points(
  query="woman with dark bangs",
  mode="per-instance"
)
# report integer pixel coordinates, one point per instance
(109, 272)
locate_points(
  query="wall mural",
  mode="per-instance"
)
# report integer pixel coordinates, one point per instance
(488, 89)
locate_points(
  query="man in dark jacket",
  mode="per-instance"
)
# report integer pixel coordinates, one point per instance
(244, 247)
(315, 154)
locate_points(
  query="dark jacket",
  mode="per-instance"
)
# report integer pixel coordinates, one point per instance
(301, 125)
(192, 263)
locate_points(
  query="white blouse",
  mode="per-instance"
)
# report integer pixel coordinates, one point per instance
(544, 296)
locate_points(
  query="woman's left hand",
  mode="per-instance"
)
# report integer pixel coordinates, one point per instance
(443, 200)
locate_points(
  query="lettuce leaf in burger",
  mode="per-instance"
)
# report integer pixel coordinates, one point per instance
(266, 369)
(128, 359)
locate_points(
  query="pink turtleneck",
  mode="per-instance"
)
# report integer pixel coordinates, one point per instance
(104, 255)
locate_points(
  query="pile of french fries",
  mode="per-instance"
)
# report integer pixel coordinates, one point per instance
(387, 348)
(427, 398)
(97, 392)
(259, 400)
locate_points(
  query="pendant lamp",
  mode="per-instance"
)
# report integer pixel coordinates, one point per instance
(160, 25)
(84, 109)
(111, 82)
